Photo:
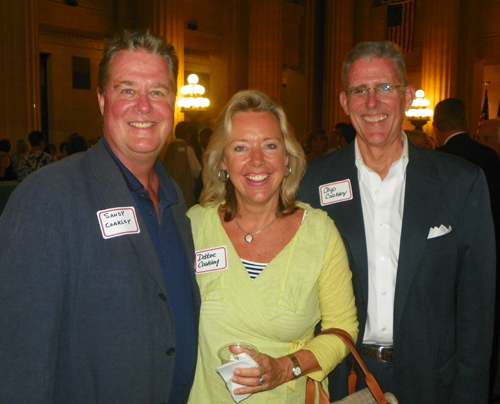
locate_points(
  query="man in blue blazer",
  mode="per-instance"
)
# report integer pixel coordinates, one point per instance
(418, 230)
(98, 301)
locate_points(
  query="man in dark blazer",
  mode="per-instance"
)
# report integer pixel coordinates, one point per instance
(98, 301)
(450, 125)
(418, 231)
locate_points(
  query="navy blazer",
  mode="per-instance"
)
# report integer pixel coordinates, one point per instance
(83, 319)
(443, 308)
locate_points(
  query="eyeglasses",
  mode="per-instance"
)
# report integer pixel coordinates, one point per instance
(381, 91)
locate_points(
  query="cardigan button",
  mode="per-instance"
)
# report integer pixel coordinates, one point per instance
(163, 297)
(170, 351)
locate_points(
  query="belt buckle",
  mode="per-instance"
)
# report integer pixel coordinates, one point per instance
(379, 354)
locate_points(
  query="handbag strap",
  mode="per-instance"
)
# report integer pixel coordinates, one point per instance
(369, 379)
(311, 392)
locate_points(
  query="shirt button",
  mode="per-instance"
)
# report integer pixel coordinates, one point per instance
(380, 224)
(163, 297)
(170, 351)
(376, 192)
(151, 213)
(384, 293)
(382, 258)
(384, 329)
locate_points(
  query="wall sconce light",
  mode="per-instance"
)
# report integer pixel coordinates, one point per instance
(191, 99)
(419, 113)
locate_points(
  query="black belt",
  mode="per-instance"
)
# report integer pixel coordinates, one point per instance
(381, 353)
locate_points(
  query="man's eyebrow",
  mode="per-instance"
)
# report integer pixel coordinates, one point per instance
(161, 85)
(132, 83)
(124, 83)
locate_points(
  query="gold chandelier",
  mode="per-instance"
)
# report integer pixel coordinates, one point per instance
(192, 96)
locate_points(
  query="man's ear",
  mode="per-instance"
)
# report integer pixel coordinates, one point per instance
(101, 101)
(409, 96)
(344, 102)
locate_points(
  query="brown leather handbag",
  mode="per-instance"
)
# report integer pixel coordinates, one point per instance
(371, 395)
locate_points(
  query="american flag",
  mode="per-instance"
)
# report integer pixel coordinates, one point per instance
(400, 24)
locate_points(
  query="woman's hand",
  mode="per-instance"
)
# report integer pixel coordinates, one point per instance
(270, 374)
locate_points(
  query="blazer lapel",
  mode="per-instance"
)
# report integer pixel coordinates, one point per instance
(349, 218)
(422, 190)
(114, 192)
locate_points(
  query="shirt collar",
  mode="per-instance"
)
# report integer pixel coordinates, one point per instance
(166, 191)
(358, 158)
(452, 135)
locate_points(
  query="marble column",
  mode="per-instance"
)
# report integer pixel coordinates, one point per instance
(265, 43)
(309, 68)
(167, 19)
(439, 51)
(338, 42)
(19, 74)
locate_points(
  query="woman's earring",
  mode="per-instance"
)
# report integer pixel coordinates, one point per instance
(289, 171)
(223, 175)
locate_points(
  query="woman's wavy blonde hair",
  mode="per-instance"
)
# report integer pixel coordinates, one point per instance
(217, 192)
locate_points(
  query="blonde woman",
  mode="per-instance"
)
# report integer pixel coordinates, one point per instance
(269, 268)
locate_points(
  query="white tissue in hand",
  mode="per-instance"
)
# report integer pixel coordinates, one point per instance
(226, 372)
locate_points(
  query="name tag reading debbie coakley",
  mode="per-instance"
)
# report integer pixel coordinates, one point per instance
(335, 192)
(211, 260)
(117, 222)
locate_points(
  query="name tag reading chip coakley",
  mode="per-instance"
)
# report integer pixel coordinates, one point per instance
(335, 192)
(212, 260)
(117, 222)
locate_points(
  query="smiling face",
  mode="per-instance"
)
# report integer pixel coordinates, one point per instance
(137, 106)
(255, 158)
(377, 119)
(318, 144)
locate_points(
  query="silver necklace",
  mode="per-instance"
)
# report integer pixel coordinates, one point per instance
(249, 236)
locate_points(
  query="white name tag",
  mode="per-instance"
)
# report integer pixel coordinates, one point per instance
(212, 260)
(117, 222)
(335, 192)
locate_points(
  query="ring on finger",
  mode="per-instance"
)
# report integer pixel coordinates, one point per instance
(261, 383)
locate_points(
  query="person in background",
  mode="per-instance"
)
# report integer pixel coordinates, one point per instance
(76, 144)
(269, 268)
(336, 137)
(204, 137)
(420, 139)
(489, 134)
(450, 126)
(181, 162)
(348, 135)
(36, 158)
(51, 149)
(63, 150)
(98, 301)
(6, 171)
(316, 145)
(418, 230)
(22, 148)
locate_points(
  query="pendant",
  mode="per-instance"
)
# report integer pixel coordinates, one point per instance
(248, 238)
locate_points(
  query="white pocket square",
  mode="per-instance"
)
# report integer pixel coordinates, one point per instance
(438, 231)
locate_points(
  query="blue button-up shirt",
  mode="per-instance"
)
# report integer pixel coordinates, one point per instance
(171, 253)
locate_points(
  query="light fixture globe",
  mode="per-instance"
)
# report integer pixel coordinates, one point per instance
(191, 96)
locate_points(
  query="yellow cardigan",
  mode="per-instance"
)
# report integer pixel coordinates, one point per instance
(307, 282)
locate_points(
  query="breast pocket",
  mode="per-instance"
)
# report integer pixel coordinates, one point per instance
(210, 285)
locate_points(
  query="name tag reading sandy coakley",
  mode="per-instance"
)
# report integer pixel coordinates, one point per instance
(212, 260)
(335, 192)
(117, 222)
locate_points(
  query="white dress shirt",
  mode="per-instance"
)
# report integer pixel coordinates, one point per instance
(382, 203)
